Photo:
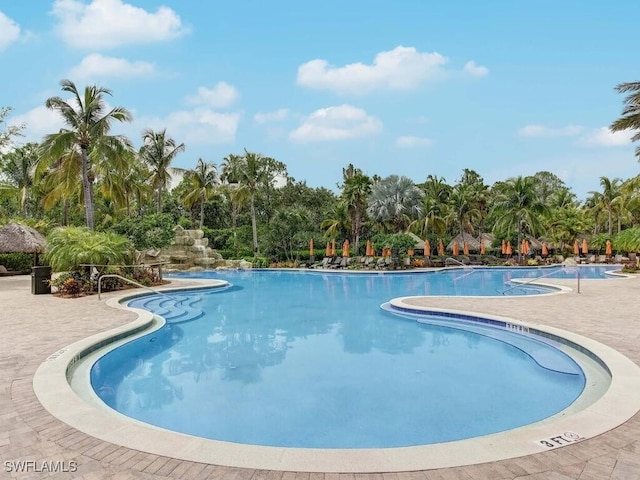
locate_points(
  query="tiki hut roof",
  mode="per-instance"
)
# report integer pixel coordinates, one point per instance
(419, 242)
(488, 239)
(18, 238)
(474, 244)
(534, 243)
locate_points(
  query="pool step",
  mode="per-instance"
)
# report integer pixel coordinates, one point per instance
(174, 309)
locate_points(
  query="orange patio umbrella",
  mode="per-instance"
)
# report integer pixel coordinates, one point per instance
(525, 248)
(465, 248)
(576, 248)
(427, 248)
(440, 247)
(545, 250)
(345, 248)
(456, 248)
(504, 247)
(482, 249)
(609, 248)
(585, 246)
(311, 247)
(368, 249)
(508, 250)
(327, 251)
(333, 247)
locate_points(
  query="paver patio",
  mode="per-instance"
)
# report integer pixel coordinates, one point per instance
(33, 327)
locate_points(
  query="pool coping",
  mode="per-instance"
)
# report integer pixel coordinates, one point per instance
(52, 388)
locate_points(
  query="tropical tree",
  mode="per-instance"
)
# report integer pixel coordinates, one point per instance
(355, 191)
(434, 207)
(18, 173)
(88, 125)
(396, 200)
(204, 182)
(518, 205)
(607, 198)
(157, 152)
(464, 209)
(630, 119)
(7, 131)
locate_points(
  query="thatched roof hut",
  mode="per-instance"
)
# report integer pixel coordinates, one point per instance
(474, 244)
(18, 238)
(419, 245)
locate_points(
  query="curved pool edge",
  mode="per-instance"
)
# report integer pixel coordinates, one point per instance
(52, 388)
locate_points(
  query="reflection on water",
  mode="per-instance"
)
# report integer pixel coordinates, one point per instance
(287, 349)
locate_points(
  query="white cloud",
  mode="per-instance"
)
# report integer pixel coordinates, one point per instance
(540, 131)
(220, 96)
(475, 70)
(413, 142)
(336, 123)
(38, 121)
(110, 23)
(399, 69)
(9, 31)
(603, 137)
(268, 117)
(98, 66)
(200, 125)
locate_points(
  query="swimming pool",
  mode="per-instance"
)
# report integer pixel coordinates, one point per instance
(308, 359)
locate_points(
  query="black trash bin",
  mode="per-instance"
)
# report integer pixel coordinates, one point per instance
(40, 277)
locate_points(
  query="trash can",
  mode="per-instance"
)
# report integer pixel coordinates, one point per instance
(40, 277)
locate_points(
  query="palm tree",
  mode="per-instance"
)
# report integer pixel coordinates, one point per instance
(518, 203)
(606, 199)
(204, 181)
(157, 152)
(19, 172)
(395, 199)
(630, 119)
(88, 130)
(355, 191)
(463, 208)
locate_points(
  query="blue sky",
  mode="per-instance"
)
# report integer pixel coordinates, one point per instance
(407, 87)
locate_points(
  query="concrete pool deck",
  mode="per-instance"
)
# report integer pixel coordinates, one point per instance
(34, 327)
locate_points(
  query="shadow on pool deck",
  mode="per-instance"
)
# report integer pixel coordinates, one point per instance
(35, 326)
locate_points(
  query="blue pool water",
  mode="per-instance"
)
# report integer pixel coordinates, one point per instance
(306, 359)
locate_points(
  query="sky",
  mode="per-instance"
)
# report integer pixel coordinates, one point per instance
(408, 87)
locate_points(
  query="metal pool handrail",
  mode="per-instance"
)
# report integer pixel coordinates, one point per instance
(133, 282)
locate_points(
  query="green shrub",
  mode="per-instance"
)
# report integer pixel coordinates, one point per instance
(150, 231)
(17, 262)
(71, 284)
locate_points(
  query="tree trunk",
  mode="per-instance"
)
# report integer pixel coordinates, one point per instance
(254, 227)
(201, 213)
(87, 190)
(159, 200)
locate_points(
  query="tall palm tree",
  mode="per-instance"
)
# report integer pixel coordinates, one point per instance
(396, 200)
(355, 191)
(630, 119)
(434, 207)
(89, 124)
(204, 181)
(157, 152)
(606, 198)
(464, 208)
(518, 205)
(237, 194)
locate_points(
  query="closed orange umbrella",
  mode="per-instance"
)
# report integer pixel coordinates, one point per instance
(545, 250)
(456, 248)
(482, 249)
(523, 249)
(465, 248)
(508, 250)
(427, 248)
(440, 247)
(504, 247)
(327, 251)
(585, 246)
(609, 248)
(368, 249)
(576, 248)
(345, 248)
(333, 247)
(311, 247)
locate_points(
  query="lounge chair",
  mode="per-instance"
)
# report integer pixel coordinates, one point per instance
(336, 262)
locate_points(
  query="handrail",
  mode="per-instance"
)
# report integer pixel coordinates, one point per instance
(133, 282)
(521, 284)
(455, 261)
